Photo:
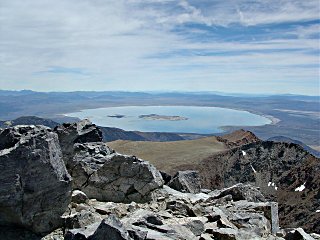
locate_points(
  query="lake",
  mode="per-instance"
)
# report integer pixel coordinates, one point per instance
(180, 119)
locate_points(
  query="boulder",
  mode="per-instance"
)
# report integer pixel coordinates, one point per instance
(109, 229)
(35, 187)
(240, 191)
(269, 209)
(186, 181)
(87, 158)
(78, 197)
(79, 132)
(108, 176)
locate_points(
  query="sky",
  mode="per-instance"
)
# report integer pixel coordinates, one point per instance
(235, 46)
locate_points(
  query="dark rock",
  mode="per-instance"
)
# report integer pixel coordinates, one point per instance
(195, 226)
(87, 159)
(240, 192)
(109, 229)
(180, 208)
(224, 233)
(78, 197)
(113, 177)
(298, 234)
(154, 219)
(81, 233)
(186, 181)
(35, 186)
(17, 233)
(81, 219)
(166, 177)
(79, 132)
(137, 234)
(278, 169)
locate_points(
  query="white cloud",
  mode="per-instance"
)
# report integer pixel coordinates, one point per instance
(133, 44)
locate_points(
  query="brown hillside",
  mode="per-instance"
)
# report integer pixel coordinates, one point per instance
(171, 156)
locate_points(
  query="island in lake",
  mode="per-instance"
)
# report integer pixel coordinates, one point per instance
(162, 117)
(116, 116)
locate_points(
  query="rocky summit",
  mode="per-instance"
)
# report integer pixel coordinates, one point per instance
(67, 184)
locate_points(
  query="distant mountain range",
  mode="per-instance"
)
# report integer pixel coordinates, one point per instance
(297, 117)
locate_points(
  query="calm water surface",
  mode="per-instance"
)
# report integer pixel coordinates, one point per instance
(200, 119)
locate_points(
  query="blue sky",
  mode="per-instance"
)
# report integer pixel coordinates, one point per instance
(243, 46)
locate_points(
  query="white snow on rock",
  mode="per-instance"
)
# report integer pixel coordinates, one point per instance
(244, 153)
(272, 184)
(318, 211)
(301, 188)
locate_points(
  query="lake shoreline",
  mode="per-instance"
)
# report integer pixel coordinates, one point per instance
(172, 118)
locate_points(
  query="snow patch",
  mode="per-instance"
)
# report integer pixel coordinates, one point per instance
(301, 188)
(318, 211)
(244, 153)
(272, 184)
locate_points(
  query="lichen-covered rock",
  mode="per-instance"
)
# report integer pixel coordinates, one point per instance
(186, 181)
(35, 186)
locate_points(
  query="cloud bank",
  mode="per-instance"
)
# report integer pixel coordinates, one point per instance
(232, 46)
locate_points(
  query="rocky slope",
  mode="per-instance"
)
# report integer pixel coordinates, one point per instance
(284, 172)
(289, 140)
(116, 196)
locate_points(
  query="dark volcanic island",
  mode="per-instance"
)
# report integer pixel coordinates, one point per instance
(162, 117)
(116, 116)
